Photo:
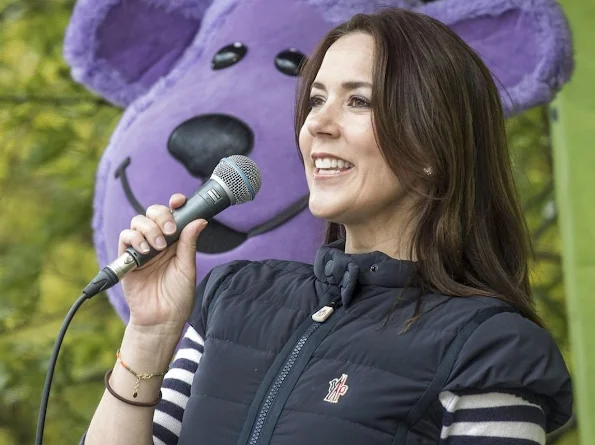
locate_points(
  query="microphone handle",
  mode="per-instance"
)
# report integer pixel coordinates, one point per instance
(210, 199)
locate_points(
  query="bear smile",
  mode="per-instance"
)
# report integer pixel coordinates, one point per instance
(217, 237)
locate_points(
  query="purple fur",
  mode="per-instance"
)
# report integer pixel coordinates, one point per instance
(212, 21)
(336, 11)
(81, 46)
(164, 87)
(166, 104)
(542, 24)
(143, 61)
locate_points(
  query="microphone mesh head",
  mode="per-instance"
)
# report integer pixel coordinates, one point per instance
(242, 177)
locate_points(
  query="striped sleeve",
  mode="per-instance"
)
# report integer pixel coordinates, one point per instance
(175, 390)
(491, 418)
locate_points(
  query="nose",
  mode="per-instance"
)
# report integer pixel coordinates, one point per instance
(323, 122)
(200, 142)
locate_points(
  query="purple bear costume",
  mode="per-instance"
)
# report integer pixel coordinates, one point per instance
(204, 79)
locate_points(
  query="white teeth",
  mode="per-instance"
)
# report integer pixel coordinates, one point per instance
(328, 172)
(331, 163)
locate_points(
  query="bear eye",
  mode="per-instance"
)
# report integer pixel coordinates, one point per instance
(229, 55)
(290, 61)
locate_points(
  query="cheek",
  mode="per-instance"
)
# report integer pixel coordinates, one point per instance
(390, 183)
(305, 141)
(360, 133)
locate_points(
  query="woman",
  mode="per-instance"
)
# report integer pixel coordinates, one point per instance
(415, 324)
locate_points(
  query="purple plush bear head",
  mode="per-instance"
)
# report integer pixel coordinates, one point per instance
(204, 79)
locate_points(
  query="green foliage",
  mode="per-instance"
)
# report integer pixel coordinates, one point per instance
(52, 133)
(531, 153)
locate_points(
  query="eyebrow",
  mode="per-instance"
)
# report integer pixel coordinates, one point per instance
(349, 85)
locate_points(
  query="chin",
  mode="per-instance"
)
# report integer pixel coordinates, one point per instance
(331, 212)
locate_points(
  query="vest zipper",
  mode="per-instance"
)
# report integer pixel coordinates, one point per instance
(319, 317)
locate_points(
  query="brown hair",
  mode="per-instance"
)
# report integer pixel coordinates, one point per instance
(435, 105)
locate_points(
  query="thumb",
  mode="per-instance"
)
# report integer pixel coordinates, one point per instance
(186, 248)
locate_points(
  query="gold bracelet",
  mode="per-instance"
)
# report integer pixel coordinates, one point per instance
(139, 377)
(129, 402)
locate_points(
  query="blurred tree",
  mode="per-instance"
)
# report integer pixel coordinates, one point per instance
(52, 133)
(531, 151)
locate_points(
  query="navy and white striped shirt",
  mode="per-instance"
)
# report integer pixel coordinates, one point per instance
(488, 418)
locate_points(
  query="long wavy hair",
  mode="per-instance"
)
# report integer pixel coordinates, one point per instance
(435, 105)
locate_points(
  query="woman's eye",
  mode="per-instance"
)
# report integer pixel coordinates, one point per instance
(315, 101)
(359, 102)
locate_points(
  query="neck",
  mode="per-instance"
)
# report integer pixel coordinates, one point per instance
(392, 238)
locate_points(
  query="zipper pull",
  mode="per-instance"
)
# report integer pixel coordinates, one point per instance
(324, 313)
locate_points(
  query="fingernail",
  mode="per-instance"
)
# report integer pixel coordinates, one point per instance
(144, 247)
(169, 227)
(160, 242)
(203, 224)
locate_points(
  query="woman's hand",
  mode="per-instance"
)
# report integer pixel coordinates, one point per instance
(161, 293)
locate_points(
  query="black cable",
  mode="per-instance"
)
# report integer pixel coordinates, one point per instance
(52, 365)
(105, 279)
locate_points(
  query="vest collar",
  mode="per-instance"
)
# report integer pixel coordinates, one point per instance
(334, 266)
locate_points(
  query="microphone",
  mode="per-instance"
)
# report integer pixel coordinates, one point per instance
(235, 180)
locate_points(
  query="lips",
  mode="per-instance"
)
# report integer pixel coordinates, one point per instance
(217, 237)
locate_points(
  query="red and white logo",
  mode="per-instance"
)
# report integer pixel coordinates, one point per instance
(337, 388)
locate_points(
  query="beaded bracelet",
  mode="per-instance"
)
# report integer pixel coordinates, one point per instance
(129, 402)
(139, 377)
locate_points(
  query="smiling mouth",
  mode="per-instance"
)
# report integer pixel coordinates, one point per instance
(217, 237)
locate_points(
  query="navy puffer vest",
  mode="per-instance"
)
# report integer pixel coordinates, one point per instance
(298, 354)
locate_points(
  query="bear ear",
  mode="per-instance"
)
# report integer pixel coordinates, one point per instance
(526, 45)
(120, 48)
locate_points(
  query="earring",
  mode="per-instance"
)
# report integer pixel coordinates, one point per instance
(428, 171)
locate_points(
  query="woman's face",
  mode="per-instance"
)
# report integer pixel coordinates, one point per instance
(349, 179)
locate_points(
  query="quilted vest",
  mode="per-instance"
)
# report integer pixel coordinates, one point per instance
(317, 354)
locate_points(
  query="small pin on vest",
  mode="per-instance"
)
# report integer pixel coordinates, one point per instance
(337, 388)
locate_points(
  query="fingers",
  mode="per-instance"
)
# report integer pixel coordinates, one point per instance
(148, 231)
(132, 238)
(143, 233)
(162, 217)
(186, 249)
(177, 200)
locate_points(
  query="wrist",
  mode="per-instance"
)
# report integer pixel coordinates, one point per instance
(155, 333)
(149, 347)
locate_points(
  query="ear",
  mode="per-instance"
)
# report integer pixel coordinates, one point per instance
(526, 44)
(120, 48)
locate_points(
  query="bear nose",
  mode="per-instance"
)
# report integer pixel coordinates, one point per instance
(200, 142)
